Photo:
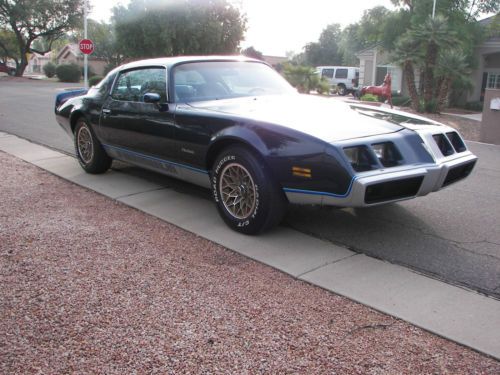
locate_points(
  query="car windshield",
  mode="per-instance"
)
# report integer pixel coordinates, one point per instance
(213, 80)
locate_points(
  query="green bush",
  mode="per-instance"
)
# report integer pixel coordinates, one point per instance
(94, 80)
(474, 106)
(401, 101)
(369, 98)
(68, 73)
(49, 69)
(323, 87)
(303, 78)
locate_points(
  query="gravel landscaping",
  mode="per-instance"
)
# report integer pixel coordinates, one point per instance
(90, 285)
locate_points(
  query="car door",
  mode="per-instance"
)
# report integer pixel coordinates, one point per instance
(133, 129)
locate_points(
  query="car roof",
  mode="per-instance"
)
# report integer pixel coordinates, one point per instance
(170, 61)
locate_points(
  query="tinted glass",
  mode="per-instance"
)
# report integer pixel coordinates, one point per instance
(341, 73)
(133, 84)
(226, 79)
(327, 73)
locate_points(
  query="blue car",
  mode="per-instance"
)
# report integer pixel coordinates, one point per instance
(235, 126)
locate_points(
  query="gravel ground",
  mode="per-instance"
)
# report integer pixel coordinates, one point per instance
(92, 286)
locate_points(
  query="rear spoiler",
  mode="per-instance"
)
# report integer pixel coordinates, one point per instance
(64, 96)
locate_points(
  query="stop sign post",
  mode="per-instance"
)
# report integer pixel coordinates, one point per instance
(86, 47)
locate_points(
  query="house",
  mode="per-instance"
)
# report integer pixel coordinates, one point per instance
(70, 54)
(375, 63)
(275, 61)
(487, 74)
(36, 62)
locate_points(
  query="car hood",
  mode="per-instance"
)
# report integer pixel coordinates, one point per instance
(327, 119)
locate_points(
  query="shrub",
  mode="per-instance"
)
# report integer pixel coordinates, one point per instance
(369, 98)
(68, 73)
(474, 106)
(94, 80)
(323, 87)
(49, 69)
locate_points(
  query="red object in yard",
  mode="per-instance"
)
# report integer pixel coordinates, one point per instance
(86, 46)
(383, 90)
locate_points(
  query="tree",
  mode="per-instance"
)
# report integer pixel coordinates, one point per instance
(104, 37)
(407, 54)
(452, 66)
(8, 46)
(326, 51)
(33, 19)
(151, 28)
(432, 35)
(252, 52)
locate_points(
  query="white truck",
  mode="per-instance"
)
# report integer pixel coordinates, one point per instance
(343, 79)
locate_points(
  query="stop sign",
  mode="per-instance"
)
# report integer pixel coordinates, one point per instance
(86, 46)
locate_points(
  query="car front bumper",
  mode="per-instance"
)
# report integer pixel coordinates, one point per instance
(392, 185)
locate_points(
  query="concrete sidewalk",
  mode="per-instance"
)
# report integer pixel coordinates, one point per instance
(454, 313)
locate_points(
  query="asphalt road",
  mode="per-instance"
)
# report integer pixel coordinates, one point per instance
(451, 235)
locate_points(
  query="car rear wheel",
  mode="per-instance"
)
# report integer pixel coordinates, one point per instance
(89, 151)
(342, 90)
(246, 195)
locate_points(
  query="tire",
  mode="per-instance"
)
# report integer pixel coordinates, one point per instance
(341, 89)
(261, 202)
(89, 151)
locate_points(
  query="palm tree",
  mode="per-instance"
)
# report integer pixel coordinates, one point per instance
(433, 35)
(407, 53)
(451, 65)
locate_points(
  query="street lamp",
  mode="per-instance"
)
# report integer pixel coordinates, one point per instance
(433, 8)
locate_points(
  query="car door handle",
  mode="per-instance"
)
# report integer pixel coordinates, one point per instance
(106, 111)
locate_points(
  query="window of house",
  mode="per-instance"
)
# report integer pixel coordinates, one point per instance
(493, 81)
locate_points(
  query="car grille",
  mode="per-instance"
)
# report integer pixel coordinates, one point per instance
(393, 190)
(458, 173)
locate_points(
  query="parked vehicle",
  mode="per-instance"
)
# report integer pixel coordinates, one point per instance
(343, 79)
(7, 69)
(234, 125)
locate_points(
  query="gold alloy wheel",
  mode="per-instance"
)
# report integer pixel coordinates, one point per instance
(237, 191)
(85, 144)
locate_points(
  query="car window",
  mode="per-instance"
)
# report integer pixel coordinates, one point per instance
(341, 73)
(211, 80)
(104, 86)
(327, 73)
(133, 84)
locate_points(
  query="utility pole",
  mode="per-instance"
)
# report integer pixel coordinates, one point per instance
(85, 56)
(434, 9)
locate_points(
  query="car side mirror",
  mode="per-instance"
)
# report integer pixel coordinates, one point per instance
(152, 97)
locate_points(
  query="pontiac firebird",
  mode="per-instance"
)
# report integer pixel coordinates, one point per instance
(234, 125)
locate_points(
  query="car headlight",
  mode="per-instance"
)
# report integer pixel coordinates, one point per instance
(360, 158)
(387, 153)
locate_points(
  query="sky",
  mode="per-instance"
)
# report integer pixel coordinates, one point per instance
(278, 26)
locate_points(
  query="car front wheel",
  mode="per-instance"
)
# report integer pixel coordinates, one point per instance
(89, 151)
(247, 198)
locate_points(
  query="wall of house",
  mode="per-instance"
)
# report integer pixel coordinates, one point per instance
(490, 124)
(488, 59)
